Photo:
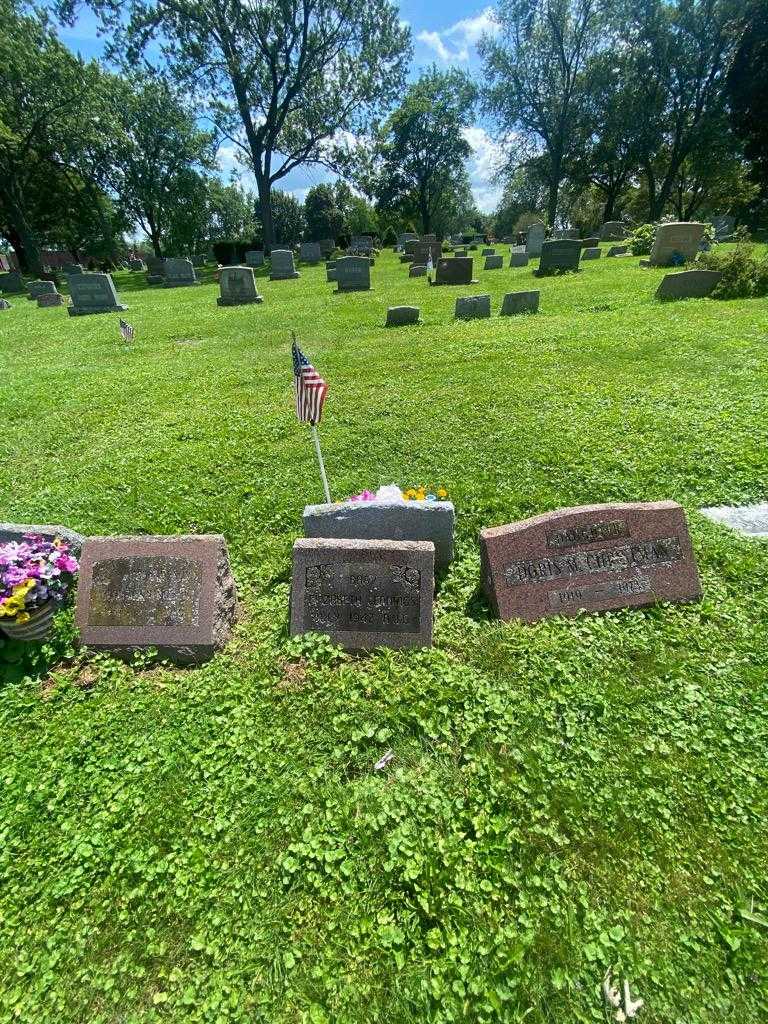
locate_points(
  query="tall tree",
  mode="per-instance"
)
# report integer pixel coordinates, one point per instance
(286, 215)
(541, 80)
(51, 117)
(679, 51)
(299, 72)
(158, 152)
(421, 149)
(747, 89)
(324, 216)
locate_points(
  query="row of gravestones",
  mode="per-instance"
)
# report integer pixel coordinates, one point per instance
(95, 293)
(354, 582)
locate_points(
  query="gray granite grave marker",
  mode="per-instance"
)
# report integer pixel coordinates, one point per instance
(591, 253)
(402, 316)
(559, 255)
(12, 283)
(93, 293)
(416, 271)
(155, 269)
(535, 239)
(473, 307)
(386, 520)
(364, 593)
(518, 259)
(688, 284)
(310, 252)
(238, 287)
(353, 274)
(50, 299)
(748, 520)
(613, 231)
(678, 240)
(494, 262)
(282, 265)
(520, 302)
(38, 288)
(179, 273)
(454, 270)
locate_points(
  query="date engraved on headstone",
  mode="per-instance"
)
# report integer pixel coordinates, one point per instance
(153, 591)
(585, 597)
(360, 595)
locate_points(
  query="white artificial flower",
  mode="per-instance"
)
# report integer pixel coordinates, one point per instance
(390, 492)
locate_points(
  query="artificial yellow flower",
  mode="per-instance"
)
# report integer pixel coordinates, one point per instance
(442, 493)
(23, 617)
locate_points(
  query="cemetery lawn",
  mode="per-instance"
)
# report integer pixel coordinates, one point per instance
(214, 845)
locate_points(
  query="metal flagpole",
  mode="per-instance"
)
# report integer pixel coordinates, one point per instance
(320, 463)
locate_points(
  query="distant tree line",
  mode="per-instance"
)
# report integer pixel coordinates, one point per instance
(602, 109)
(641, 108)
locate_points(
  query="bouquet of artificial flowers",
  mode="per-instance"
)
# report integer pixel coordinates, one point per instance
(391, 492)
(33, 573)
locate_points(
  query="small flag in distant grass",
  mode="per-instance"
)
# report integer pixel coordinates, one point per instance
(126, 330)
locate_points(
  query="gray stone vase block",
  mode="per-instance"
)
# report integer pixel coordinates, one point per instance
(386, 520)
(16, 531)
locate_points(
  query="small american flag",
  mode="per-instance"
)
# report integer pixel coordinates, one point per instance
(126, 330)
(310, 388)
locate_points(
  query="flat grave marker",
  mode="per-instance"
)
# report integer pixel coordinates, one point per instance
(402, 316)
(595, 558)
(473, 307)
(688, 284)
(591, 253)
(520, 302)
(50, 299)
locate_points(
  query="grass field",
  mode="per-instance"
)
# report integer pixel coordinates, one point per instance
(213, 845)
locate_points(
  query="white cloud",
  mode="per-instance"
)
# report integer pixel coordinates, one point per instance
(469, 30)
(461, 36)
(487, 157)
(434, 42)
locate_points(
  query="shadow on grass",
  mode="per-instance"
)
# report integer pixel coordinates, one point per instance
(478, 607)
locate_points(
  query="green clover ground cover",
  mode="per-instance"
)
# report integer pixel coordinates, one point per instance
(215, 846)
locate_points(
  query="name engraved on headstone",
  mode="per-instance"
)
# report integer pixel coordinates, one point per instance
(362, 595)
(146, 591)
(587, 563)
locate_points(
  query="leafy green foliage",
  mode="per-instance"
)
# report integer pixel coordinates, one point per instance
(640, 241)
(745, 274)
(214, 846)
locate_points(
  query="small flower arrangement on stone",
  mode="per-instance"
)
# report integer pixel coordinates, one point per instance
(35, 577)
(391, 492)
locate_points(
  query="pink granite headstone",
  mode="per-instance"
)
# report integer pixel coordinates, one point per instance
(593, 558)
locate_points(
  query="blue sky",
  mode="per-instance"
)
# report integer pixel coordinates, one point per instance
(444, 34)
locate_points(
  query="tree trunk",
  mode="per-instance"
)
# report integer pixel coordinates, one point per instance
(610, 206)
(265, 204)
(30, 257)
